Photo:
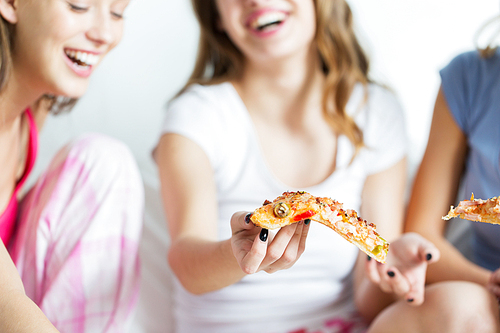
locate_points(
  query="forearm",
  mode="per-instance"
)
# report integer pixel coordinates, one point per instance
(383, 192)
(453, 265)
(435, 189)
(19, 314)
(370, 300)
(203, 266)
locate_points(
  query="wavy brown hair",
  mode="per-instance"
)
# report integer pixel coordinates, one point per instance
(344, 62)
(56, 104)
(6, 31)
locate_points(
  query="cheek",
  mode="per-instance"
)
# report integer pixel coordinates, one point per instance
(54, 35)
(30, 47)
(117, 34)
(309, 23)
(310, 16)
(228, 16)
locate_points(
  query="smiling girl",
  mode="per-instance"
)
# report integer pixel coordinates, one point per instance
(280, 100)
(74, 236)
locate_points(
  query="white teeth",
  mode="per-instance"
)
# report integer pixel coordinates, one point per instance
(88, 59)
(268, 18)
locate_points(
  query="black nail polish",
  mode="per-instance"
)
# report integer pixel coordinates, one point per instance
(247, 218)
(409, 300)
(391, 273)
(428, 256)
(263, 235)
(369, 258)
(307, 221)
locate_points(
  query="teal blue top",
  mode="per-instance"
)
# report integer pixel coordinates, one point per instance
(471, 85)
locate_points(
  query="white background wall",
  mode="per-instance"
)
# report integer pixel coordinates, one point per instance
(408, 41)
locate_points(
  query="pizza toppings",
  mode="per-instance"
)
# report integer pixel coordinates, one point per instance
(487, 211)
(304, 215)
(281, 210)
(292, 207)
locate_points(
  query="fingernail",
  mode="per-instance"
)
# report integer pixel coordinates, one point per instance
(307, 221)
(409, 300)
(247, 218)
(369, 258)
(263, 235)
(391, 273)
(428, 256)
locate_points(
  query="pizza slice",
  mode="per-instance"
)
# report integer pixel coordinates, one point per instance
(479, 210)
(292, 207)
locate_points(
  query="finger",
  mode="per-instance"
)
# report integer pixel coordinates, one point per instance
(495, 277)
(494, 289)
(415, 296)
(416, 280)
(384, 275)
(392, 280)
(279, 244)
(303, 237)
(399, 284)
(428, 252)
(371, 270)
(241, 221)
(293, 251)
(252, 260)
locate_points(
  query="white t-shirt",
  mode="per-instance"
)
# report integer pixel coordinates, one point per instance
(317, 287)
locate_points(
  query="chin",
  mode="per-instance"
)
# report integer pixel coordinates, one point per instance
(71, 90)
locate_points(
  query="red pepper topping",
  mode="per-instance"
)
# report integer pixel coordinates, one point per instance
(304, 215)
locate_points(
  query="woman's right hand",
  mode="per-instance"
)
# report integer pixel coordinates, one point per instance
(257, 249)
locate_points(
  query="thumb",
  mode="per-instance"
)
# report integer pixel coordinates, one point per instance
(428, 252)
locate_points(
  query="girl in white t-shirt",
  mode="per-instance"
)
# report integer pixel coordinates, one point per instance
(280, 100)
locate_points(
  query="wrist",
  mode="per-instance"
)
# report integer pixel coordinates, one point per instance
(488, 278)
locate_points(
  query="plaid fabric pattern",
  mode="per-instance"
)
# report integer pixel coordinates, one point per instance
(77, 238)
(350, 323)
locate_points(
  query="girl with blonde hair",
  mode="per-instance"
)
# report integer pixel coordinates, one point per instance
(280, 99)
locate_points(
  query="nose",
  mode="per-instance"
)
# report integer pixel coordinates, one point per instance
(101, 31)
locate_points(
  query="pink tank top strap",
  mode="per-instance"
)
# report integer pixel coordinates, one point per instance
(8, 217)
(32, 149)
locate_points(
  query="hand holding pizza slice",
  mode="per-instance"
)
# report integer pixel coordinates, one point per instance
(292, 207)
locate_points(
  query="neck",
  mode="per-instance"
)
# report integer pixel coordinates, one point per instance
(286, 75)
(294, 84)
(14, 99)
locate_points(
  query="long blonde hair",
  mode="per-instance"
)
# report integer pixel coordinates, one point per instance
(344, 62)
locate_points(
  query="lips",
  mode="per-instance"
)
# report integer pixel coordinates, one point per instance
(81, 62)
(267, 20)
(82, 58)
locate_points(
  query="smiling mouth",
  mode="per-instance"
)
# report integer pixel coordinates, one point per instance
(82, 59)
(268, 21)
